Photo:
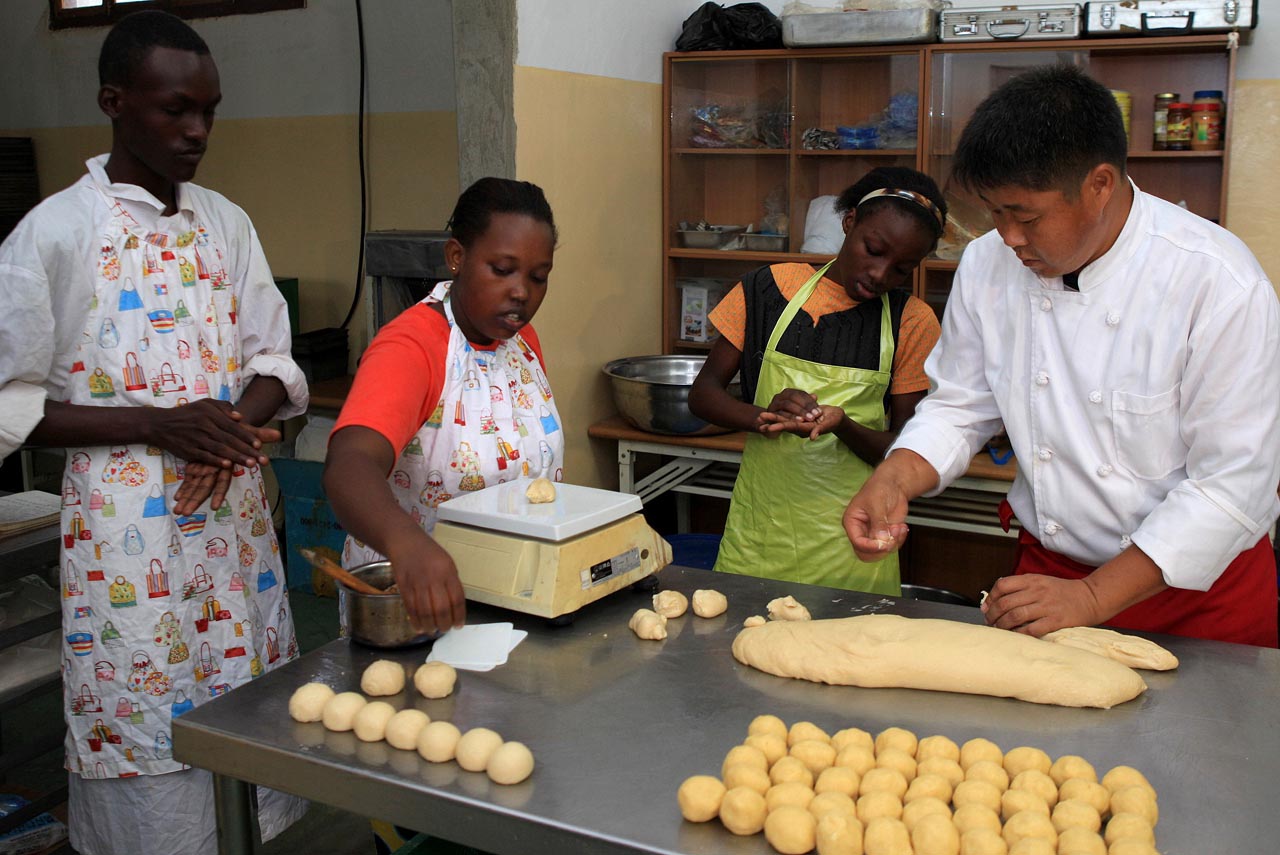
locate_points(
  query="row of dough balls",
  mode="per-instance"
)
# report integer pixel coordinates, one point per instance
(478, 750)
(850, 793)
(651, 624)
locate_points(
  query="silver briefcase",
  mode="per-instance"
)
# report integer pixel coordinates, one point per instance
(1010, 23)
(1168, 17)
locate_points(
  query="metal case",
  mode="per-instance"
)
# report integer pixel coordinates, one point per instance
(1168, 17)
(1010, 23)
(865, 27)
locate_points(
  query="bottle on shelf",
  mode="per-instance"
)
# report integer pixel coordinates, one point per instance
(1159, 124)
(1178, 127)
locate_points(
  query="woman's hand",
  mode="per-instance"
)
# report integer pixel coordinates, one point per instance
(209, 431)
(429, 584)
(829, 418)
(199, 482)
(795, 405)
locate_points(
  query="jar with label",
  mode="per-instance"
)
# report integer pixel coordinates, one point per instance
(1160, 120)
(1212, 95)
(1206, 126)
(1178, 127)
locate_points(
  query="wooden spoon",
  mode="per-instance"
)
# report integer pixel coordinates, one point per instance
(327, 565)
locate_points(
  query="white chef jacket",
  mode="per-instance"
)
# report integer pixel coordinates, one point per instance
(47, 281)
(1143, 409)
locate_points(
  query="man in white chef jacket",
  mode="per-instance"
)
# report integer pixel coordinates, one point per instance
(1131, 350)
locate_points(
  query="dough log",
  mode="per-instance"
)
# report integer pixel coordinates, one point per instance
(1126, 649)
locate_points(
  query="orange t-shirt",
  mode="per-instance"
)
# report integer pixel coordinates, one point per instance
(917, 334)
(402, 373)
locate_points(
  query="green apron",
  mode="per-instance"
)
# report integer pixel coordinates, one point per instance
(785, 521)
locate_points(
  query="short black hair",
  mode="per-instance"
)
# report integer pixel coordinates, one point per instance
(895, 178)
(129, 42)
(488, 196)
(1043, 130)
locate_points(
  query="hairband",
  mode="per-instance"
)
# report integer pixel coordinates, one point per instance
(911, 196)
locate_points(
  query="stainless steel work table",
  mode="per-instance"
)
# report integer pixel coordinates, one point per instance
(616, 724)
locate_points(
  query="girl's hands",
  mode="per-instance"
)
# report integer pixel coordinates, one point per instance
(828, 419)
(429, 584)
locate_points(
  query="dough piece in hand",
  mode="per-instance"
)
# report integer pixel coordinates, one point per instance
(786, 608)
(983, 841)
(435, 679)
(709, 604)
(742, 811)
(935, 835)
(886, 836)
(307, 703)
(699, 797)
(754, 620)
(1126, 649)
(839, 834)
(438, 741)
(340, 711)
(1136, 799)
(1070, 766)
(540, 491)
(476, 747)
(941, 655)
(1081, 841)
(670, 604)
(382, 678)
(510, 764)
(648, 624)
(404, 727)
(791, 830)
(370, 723)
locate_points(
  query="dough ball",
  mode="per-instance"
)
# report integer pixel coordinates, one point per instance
(882, 779)
(541, 491)
(982, 841)
(699, 798)
(435, 679)
(1033, 846)
(980, 749)
(670, 604)
(894, 758)
(1123, 825)
(803, 730)
(476, 747)
(976, 793)
(789, 794)
(382, 678)
(340, 711)
(859, 758)
(896, 737)
(879, 803)
(839, 834)
(370, 723)
(1075, 813)
(1070, 766)
(754, 620)
(1136, 799)
(438, 741)
(1081, 841)
(886, 836)
(825, 803)
(971, 816)
(404, 727)
(791, 769)
(744, 755)
(949, 769)
(767, 725)
(791, 830)
(648, 624)
(742, 810)
(816, 754)
(709, 604)
(838, 779)
(1035, 781)
(307, 703)
(1132, 846)
(842, 739)
(989, 771)
(1016, 801)
(935, 835)
(510, 764)
(787, 608)
(937, 746)
(1024, 757)
(929, 786)
(1029, 823)
(915, 810)
(773, 746)
(744, 775)
(1086, 791)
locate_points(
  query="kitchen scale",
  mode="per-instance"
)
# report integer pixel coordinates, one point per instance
(548, 559)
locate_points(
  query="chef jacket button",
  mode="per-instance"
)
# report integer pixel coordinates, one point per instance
(1112, 319)
(1044, 454)
(1125, 542)
(1052, 528)
(1042, 379)
(1095, 397)
(1105, 469)
(1046, 304)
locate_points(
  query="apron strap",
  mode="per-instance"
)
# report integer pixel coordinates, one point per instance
(795, 304)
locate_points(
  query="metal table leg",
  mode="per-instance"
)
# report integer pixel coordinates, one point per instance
(233, 808)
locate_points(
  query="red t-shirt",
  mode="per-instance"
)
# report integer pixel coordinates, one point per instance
(401, 375)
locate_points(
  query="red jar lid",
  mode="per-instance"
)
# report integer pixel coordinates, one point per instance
(1179, 105)
(1201, 106)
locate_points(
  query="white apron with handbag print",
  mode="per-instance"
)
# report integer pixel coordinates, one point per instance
(160, 612)
(496, 421)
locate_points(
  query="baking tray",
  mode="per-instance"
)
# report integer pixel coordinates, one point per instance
(862, 27)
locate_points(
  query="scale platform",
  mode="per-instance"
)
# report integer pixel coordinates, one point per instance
(550, 559)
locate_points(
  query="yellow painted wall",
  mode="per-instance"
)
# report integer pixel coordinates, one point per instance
(1253, 194)
(594, 144)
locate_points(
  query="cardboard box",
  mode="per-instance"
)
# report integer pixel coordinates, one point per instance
(309, 523)
(698, 296)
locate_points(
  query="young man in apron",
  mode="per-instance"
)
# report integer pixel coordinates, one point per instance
(831, 361)
(143, 332)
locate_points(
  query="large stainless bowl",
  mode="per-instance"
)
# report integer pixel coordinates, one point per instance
(652, 393)
(378, 620)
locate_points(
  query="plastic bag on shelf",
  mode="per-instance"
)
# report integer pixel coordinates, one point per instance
(823, 231)
(775, 220)
(744, 26)
(32, 836)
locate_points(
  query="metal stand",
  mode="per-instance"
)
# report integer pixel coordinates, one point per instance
(233, 808)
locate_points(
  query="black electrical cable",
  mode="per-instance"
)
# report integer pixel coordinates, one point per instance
(364, 198)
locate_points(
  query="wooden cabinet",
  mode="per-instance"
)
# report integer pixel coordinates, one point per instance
(735, 154)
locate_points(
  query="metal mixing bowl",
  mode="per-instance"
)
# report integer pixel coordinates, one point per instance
(652, 393)
(378, 620)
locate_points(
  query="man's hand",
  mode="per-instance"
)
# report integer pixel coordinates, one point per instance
(1036, 604)
(828, 419)
(199, 482)
(211, 432)
(876, 519)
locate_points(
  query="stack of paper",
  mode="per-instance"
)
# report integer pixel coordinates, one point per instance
(21, 512)
(476, 647)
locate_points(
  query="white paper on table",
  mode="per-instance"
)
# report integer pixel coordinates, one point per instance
(475, 647)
